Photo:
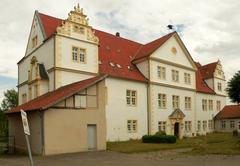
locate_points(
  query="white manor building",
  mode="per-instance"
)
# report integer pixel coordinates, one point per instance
(82, 87)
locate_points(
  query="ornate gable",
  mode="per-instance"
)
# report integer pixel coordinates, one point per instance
(219, 71)
(76, 26)
(177, 114)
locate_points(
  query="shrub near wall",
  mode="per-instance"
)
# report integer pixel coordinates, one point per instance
(159, 139)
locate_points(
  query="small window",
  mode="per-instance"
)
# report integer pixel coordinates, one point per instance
(223, 124)
(219, 86)
(34, 41)
(175, 75)
(232, 124)
(24, 98)
(210, 105)
(131, 97)
(161, 71)
(188, 126)
(204, 105)
(162, 126)
(187, 78)
(210, 125)
(204, 125)
(199, 125)
(132, 126)
(82, 55)
(162, 100)
(218, 105)
(75, 54)
(188, 103)
(175, 101)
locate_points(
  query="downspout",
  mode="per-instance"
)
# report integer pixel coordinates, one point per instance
(149, 117)
(42, 131)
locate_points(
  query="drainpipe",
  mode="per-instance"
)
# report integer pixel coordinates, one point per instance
(42, 131)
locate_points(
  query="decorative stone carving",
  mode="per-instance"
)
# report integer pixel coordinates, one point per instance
(77, 22)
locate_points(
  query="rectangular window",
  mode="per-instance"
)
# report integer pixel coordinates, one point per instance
(161, 72)
(218, 105)
(162, 126)
(209, 125)
(223, 124)
(204, 125)
(199, 125)
(75, 54)
(204, 105)
(82, 55)
(175, 76)
(162, 100)
(232, 124)
(34, 41)
(24, 98)
(188, 126)
(188, 103)
(175, 101)
(132, 126)
(219, 86)
(210, 105)
(131, 97)
(187, 78)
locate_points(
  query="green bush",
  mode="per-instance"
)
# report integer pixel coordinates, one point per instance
(160, 133)
(159, 139)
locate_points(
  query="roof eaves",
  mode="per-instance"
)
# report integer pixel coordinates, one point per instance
(94, 82)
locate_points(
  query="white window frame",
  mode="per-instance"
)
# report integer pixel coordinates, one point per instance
(175, 101)
(187, 78)
(162, 126)
(162, 100)
(161, 71)
(131, 97)
(132, 126)
(188, 103)
(175, 76)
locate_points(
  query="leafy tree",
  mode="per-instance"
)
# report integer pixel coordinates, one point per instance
(10, 100)
(233, 88)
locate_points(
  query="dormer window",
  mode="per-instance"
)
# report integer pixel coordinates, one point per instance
(78, 55)
(82, 55)
(34, 41)
(219, 86)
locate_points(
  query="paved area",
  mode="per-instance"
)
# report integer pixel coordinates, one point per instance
(107, 158)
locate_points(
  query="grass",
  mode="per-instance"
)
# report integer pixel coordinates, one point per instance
(215, 143)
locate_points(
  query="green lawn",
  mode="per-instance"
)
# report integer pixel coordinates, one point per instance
(215, 143)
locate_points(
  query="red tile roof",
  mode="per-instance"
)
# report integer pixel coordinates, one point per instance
(49, 99)
(229, 112)
(49, 24)
(201, 85)
(116, 50)
(208, 70)
(121, 52)
(147, 49)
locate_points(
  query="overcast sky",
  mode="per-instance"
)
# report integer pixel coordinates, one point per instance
(210, 29)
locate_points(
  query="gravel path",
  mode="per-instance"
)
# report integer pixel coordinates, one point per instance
(107, 158)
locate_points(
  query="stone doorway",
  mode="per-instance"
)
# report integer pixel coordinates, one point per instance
(176, 129)
(176, 119)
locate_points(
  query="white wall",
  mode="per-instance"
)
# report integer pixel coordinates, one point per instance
(64, 55)
(118, 112)
(35, 30)
(143, 67)
(159, 114)
(168, 80)
(165, 53)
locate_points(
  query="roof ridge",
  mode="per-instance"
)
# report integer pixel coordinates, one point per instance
(118, 37)
(50, 16)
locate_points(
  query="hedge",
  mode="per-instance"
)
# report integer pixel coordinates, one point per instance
(159, 139)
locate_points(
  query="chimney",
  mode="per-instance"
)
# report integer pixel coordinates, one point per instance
(118, 34)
